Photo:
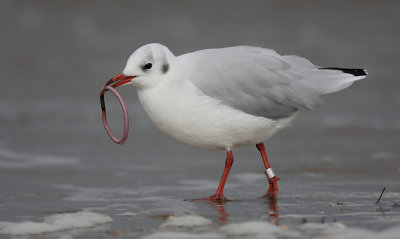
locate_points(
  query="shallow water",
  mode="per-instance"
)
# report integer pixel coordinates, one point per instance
(56, 159)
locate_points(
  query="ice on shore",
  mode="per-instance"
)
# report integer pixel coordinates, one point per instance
(263, 229)
(250, 228)
(186, 221)
(56, 222)
(182, 235)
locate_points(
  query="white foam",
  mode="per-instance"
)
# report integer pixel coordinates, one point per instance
(255, 229)
(127, 214)
(53, 223)
(262, 229)
(392, 232)
(186, 221)
(182, 235)
(339, 231)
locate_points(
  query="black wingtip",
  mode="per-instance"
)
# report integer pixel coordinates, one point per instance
(354, 72)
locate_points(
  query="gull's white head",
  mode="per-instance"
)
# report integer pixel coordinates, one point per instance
(146, 66)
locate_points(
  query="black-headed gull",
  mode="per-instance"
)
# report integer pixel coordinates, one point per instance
(220, 99)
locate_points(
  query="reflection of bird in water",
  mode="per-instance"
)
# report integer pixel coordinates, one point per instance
(220, 99)
(273, 211)
(219, 207)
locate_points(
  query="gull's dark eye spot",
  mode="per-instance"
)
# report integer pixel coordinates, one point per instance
(147, 66)
(165, 68)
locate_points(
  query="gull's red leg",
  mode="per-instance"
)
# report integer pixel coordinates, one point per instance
(219, 195)
(272, 191)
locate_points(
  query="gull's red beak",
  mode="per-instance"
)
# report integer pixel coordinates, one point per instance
(119, 80)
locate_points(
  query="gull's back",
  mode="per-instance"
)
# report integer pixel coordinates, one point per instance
(261, 82)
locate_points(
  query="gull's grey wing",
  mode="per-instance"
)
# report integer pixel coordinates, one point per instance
(261, 82)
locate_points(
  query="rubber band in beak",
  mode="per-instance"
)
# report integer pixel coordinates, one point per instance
(107, 87)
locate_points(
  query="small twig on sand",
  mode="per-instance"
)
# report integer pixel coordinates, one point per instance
(383, 190)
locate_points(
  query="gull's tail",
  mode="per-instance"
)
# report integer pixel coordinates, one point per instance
(339, 78)
(354, 72)
(325, 80)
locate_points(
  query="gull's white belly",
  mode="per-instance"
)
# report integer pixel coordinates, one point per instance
(189, 116)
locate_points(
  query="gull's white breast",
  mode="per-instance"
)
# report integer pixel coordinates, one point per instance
(182, 111)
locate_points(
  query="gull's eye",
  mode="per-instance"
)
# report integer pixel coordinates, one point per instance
(147, 66)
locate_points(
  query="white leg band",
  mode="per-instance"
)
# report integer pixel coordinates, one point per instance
(270, 174)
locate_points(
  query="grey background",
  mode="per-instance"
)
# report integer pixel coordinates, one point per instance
(56, 55)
